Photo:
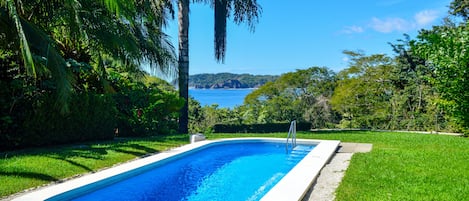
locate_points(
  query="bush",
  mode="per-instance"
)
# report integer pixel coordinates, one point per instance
(98, 108)
(91, 117)
(260, 128)
(145, 111)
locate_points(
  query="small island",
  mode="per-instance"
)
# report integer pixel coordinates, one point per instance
(229, 81)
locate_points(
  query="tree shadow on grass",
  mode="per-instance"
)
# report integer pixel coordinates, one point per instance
(32, 175)
(89, 150)
(73, 163)
(83, 151)
(98, 153)
(135, 149)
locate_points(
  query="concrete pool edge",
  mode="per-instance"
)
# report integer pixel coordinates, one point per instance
(296, 183)
(54, 190)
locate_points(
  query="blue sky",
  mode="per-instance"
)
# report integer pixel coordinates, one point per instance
(297, 34)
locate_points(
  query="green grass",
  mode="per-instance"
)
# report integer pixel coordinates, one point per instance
(401, 166)
(20, 170)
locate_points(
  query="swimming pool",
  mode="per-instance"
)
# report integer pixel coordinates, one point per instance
(208, 170)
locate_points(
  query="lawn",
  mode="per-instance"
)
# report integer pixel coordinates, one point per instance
(20, 170)
(401, 166)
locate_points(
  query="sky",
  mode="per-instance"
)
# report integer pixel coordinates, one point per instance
(298, 34)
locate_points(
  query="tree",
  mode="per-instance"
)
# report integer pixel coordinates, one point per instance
(460, 8)
(446, 50)
(302, 95)
(242, 10)
(413, 103)
(363, 90)
(50, 35)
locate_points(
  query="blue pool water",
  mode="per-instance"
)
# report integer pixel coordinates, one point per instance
(229, 171)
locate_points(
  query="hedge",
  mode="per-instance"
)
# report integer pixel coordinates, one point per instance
(91, 117)
(260, 128)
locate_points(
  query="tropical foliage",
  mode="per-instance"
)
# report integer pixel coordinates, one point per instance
(445, 49)
(145, 109)
(66, 66)
(297, 95)
(423, 87)
(373, 92)
(405, 92)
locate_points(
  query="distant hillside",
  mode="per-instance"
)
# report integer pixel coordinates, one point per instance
(228, 80)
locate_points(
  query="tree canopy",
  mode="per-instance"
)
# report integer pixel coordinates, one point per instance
(71, 71)
(446, 50)
(422, 87)
(52, 35)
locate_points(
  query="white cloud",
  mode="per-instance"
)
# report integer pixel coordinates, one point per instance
(345, 59)
(426, 17)
(397, 24)
(420, 20)
(390, 24)
(353, 29)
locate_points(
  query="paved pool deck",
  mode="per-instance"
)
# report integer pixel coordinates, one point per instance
(331, 175)
(348, 147)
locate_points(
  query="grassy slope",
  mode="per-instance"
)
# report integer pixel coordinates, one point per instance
(401, 166)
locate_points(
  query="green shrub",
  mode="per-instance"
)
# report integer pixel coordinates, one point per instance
(145, 111)
(260, 128)
(38, 121)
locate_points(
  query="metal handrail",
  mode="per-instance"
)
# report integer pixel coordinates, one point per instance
(292, 135)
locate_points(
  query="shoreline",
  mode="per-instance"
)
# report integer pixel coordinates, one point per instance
(193, 88)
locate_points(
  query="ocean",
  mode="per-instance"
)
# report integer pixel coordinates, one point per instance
(225, 98)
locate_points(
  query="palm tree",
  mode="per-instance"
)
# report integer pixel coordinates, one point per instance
(242, 10)
(47, 34)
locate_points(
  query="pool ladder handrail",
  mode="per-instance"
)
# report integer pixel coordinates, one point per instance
(292, 135)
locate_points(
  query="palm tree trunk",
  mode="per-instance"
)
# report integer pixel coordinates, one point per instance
(183, 62)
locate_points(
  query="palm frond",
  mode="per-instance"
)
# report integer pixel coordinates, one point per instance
(24, 44)
(73, 22)
(164, 57)
(221, 13)
(156, 48)
(120, 8)
(44, 47)
(247, 11)
(159, 11)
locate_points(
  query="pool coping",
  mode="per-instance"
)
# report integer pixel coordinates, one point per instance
(301, 176)
(296, 183)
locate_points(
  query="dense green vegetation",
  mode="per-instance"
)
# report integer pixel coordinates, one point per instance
(423, 87)
(401, 166)
(207, 80)
(68, 75)
(70, 71)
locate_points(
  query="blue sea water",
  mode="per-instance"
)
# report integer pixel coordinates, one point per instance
(225, 98)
